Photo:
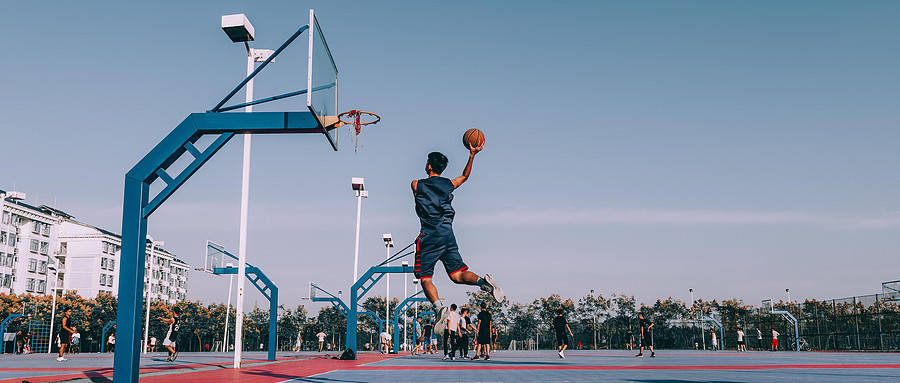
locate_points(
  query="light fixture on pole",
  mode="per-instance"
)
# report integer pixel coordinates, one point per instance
(359, 186)
(239, 30)
(52, 267)
(405, 295)
(388, 244)
(153, 245)
(227, 309)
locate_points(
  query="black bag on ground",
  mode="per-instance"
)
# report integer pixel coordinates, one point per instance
(348, 355)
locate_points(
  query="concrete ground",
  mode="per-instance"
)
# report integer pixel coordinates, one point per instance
(505, 366)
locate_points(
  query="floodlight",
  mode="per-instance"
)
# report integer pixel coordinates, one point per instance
(237, 27)
(229, 265)
(388, 241)
(364, 193)
(416, 281)
(404, 263)
(358, 184)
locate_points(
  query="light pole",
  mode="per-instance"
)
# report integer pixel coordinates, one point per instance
(788, 291)
(358, 185)
(388, 244)
(692, 306)
(239, 30)
(52, 268)
(153, 245)
(227, 310)
(405, 295)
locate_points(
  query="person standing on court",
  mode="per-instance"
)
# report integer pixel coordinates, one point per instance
(740, 340)
(483, 333)
(759, 339)
(65, 335)
(428, 333)
(715, 342)
(562, 339)
(321, 336)
(465, 326)
(436, 242)
(645, 325)
(170, 342)
(451, 333)
(774, 339)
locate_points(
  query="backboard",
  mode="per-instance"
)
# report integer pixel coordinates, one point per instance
(890, 290)
(321, 81)
(312, 290)
(214, 257)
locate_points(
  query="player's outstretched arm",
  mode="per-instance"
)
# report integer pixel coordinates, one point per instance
(413, 186)
(458, 181)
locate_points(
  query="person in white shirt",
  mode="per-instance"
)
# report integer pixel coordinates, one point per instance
(715, 342)
(759, 339)
(385, 338)
(774, 339)
(112, 343)
(321, 336)
(451, 333)
(299, 344)
(152, 344)
(740, 341)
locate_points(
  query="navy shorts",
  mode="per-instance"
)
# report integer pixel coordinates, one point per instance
(431, 248)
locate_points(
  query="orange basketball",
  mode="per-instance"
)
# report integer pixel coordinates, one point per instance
(473, 138)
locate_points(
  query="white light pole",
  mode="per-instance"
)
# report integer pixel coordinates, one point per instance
(788, 291)
(359, 187)
(239, 30)
(52, 268)
(405, 296)
(388, 244)
(227, 309)
(153, 245)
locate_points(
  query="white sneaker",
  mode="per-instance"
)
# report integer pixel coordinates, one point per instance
(559, 353)
(61, 359)
(442, 315)
(497, 291)
(562, 355)
(446, 357)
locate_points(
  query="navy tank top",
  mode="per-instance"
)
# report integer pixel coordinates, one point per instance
(433, 197)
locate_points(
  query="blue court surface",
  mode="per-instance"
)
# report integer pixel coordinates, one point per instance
(505, 366)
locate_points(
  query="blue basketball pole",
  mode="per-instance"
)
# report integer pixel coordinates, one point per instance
(359, 290)
(401, 308)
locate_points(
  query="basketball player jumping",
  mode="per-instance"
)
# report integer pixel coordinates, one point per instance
(436, 241)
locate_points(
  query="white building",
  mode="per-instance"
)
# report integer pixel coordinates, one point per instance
(27, 235)
(86, 257)
(89, 261)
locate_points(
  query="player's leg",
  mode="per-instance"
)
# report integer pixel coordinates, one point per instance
(459, 272)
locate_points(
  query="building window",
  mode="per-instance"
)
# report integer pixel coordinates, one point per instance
(14, 220)
(32, 265)
(43, 268)
(2, 262)
(7, 280)
(109, 281)
(112, 264)
(35, 245)
(2, 237)
(10, 261)
(45, 248)
(41, 286)
(36, 228)
(63, 248)
(102, 279)
(45, 231)
(12, 239)
(103, 263)
(6, 217)
(29, 284)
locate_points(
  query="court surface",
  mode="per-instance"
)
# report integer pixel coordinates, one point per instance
(505, 366)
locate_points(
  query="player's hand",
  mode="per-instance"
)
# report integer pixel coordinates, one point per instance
(475, 149)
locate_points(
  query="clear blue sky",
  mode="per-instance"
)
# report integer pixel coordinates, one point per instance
(737, 148)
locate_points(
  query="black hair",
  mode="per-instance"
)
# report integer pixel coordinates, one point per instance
(453, 306)
(483, 304)
(177, 310)
(464, 310)
(438, 162)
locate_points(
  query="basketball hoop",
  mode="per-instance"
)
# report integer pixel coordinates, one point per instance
(355, 118)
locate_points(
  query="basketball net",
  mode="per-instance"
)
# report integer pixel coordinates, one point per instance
(357, 128)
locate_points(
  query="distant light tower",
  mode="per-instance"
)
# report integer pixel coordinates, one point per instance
(359, 187)
(788, 291)
(388, 244)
